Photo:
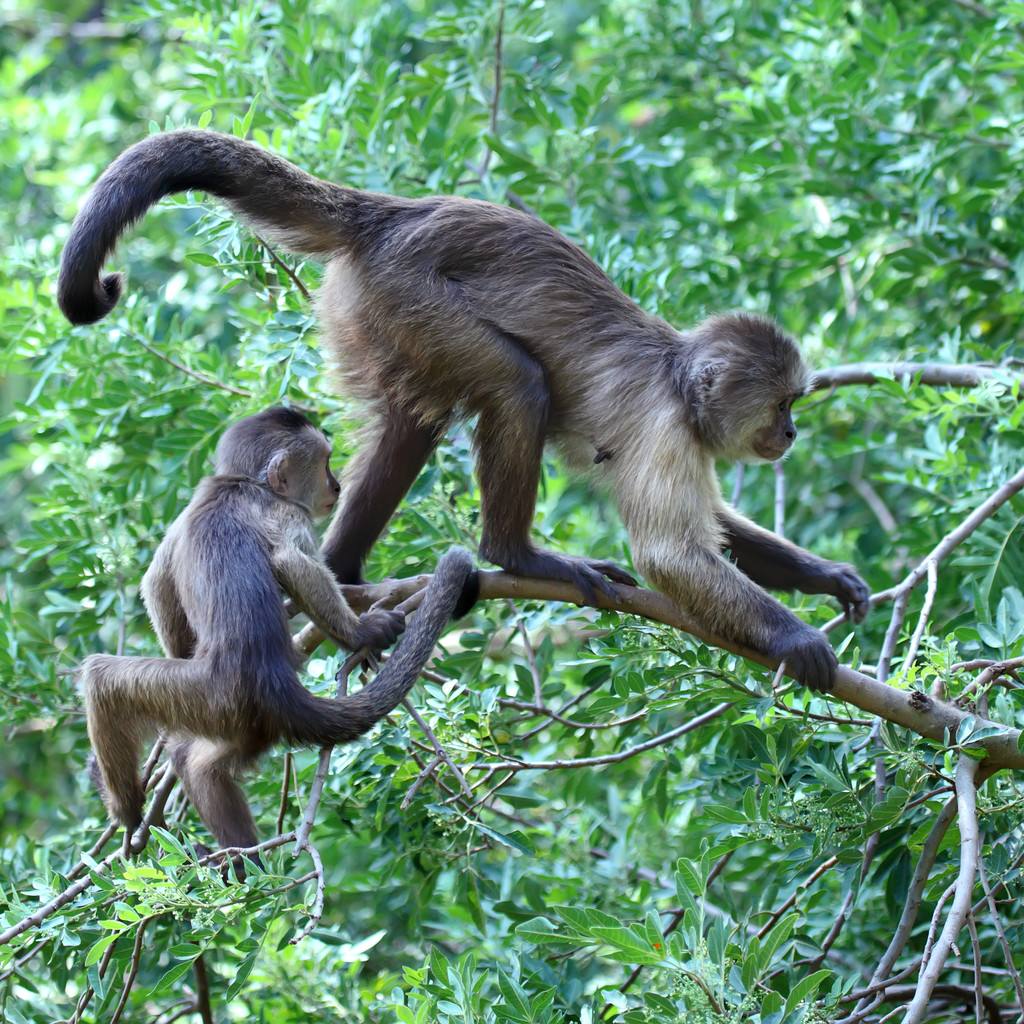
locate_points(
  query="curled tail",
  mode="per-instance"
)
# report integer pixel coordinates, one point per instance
(326, 722)
(301, 212)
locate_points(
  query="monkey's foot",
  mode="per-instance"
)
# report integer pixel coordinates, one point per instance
(135, 838)
(589, 575)
(809, 658)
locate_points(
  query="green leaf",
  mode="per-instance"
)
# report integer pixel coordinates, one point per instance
(635, 948)
(540, 930)
(804, 989)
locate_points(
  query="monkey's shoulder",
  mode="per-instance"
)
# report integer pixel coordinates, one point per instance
(226, 508)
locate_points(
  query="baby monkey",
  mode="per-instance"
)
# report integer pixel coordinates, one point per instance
(228, 688)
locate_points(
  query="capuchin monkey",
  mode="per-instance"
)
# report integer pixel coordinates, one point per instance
(444, 307)
(228, 688)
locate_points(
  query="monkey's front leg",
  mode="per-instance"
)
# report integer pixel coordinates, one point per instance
(775, 563)
(729, 604)
(314, 589)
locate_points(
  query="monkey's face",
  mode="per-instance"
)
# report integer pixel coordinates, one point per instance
(772, 441)
(325, 484)
(739, 376)
(302, 472)
(743, 417)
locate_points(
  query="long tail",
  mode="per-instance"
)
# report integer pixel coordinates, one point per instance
(325, 722)
(299, 211)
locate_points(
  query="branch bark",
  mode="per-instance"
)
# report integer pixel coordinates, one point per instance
(967, 812)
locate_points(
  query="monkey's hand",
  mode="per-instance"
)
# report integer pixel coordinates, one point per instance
(808, 656)
(589, 575)
(378, 629)
(846, 586)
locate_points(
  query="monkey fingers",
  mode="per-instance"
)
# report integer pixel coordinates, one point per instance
(809, 658)
(379, 628)
(851, 591)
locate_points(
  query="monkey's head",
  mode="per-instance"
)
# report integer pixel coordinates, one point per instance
(739, 376)
(283, 449)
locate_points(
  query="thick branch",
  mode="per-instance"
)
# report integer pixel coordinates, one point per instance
(914, 710)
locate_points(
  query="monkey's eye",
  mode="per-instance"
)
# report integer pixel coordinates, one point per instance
(782, 405)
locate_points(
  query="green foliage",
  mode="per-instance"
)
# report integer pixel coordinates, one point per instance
(852, 169)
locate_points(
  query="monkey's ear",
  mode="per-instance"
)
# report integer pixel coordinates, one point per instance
(707, 375)
(277, 472)
(695, 379)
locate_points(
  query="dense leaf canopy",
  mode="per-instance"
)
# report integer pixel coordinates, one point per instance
(852, 169)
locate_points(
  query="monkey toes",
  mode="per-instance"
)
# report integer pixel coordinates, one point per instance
(589, 575)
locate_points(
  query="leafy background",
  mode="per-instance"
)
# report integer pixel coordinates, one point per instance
(853, 169)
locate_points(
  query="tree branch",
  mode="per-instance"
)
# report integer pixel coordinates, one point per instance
(955, 375)
(967, 812)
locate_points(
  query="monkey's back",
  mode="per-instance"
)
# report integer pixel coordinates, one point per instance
(411, 310)
(221, 555)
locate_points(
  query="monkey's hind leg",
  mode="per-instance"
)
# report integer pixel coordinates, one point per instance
(207, 771)
(510, 443)
(378, 479)
(128, 698)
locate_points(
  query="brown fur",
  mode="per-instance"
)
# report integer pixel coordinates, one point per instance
(445, 307)
(228, 687)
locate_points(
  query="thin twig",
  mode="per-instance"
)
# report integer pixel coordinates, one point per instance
(899, 613)
(991, 672)
(439, 748)
(1004, 944)
(182, 368)
(979, 992)
(286, 776)
(133, 970)
(616, 758)
(963, 375)
(202, 978)
(284, 266)
(774, 918)
(948, 543)
(499, 38)
(870, 848)
(571, 723)
(922, 619)
(60, 900)
(531, 661)
(911, 906)
(316, 911)
(324, 762)
(967, 814)
(424, 774)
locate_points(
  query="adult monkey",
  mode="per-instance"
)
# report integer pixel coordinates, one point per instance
(228, 688)
(443, 306)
